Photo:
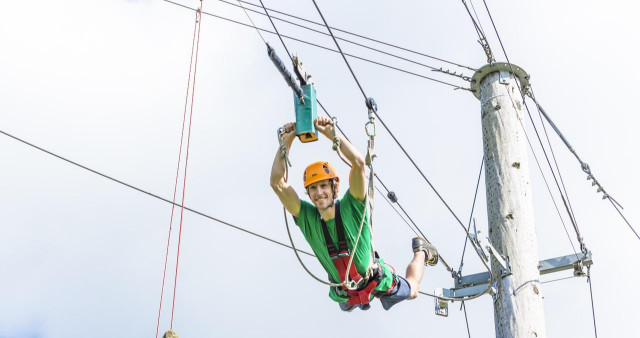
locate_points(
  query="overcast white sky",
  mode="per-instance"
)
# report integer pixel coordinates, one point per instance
(103, 83)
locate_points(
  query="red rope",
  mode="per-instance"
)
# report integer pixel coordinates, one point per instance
(175, 186)
(186, 162)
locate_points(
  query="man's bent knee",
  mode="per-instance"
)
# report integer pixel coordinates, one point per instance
(415, 288)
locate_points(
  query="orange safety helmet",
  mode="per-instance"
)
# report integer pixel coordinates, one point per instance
(319, 171)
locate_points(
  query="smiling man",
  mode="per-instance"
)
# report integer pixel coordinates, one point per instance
(331, 226)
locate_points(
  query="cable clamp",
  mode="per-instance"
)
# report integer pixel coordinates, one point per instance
(371, 104)
(392, 197)
(578, 269)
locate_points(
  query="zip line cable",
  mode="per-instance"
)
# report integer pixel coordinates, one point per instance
(401, 208)
(479, 30)
(593, 309)
(397, 212)
(342, 39)
(175, 186)
(444, 262)
(498, 35)
(544, 178)
(624, 218)
(340, 49)
(564, 188)
(154, 195)
(277, 33)
(477, 18)
(546, 183)
(553, 155)
(251, 20)
(572, 218)
(466, 320)
(466, 239)
(482, 38)
(342, 31)
(412, 229)
(456, 87)
(473, 206)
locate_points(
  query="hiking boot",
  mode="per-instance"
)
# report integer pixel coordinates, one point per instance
(431, 253)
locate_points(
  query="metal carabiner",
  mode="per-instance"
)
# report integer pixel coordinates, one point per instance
(370, 128)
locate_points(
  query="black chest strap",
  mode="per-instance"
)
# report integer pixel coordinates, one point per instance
(342, 249)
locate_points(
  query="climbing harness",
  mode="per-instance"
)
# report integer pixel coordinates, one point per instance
(359, 289)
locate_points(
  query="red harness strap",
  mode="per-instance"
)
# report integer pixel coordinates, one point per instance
(362, 296)
(340, 257)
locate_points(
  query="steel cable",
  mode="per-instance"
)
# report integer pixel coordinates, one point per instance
(154, 195)
(455, 87)
(343, 31)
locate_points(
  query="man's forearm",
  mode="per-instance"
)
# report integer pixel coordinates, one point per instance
(278, 168)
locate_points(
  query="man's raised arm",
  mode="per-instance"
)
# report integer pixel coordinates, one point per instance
(285, 192)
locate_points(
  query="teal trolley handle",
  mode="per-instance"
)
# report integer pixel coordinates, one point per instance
(306, 114)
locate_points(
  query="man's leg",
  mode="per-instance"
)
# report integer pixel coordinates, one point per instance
(423, 253)
(415, 270)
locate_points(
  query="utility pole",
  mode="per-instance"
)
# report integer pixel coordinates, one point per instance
(518, 309)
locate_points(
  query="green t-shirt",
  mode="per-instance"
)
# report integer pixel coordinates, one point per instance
(351, 211)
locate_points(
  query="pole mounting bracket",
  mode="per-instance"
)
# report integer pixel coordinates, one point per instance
(503, 68)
